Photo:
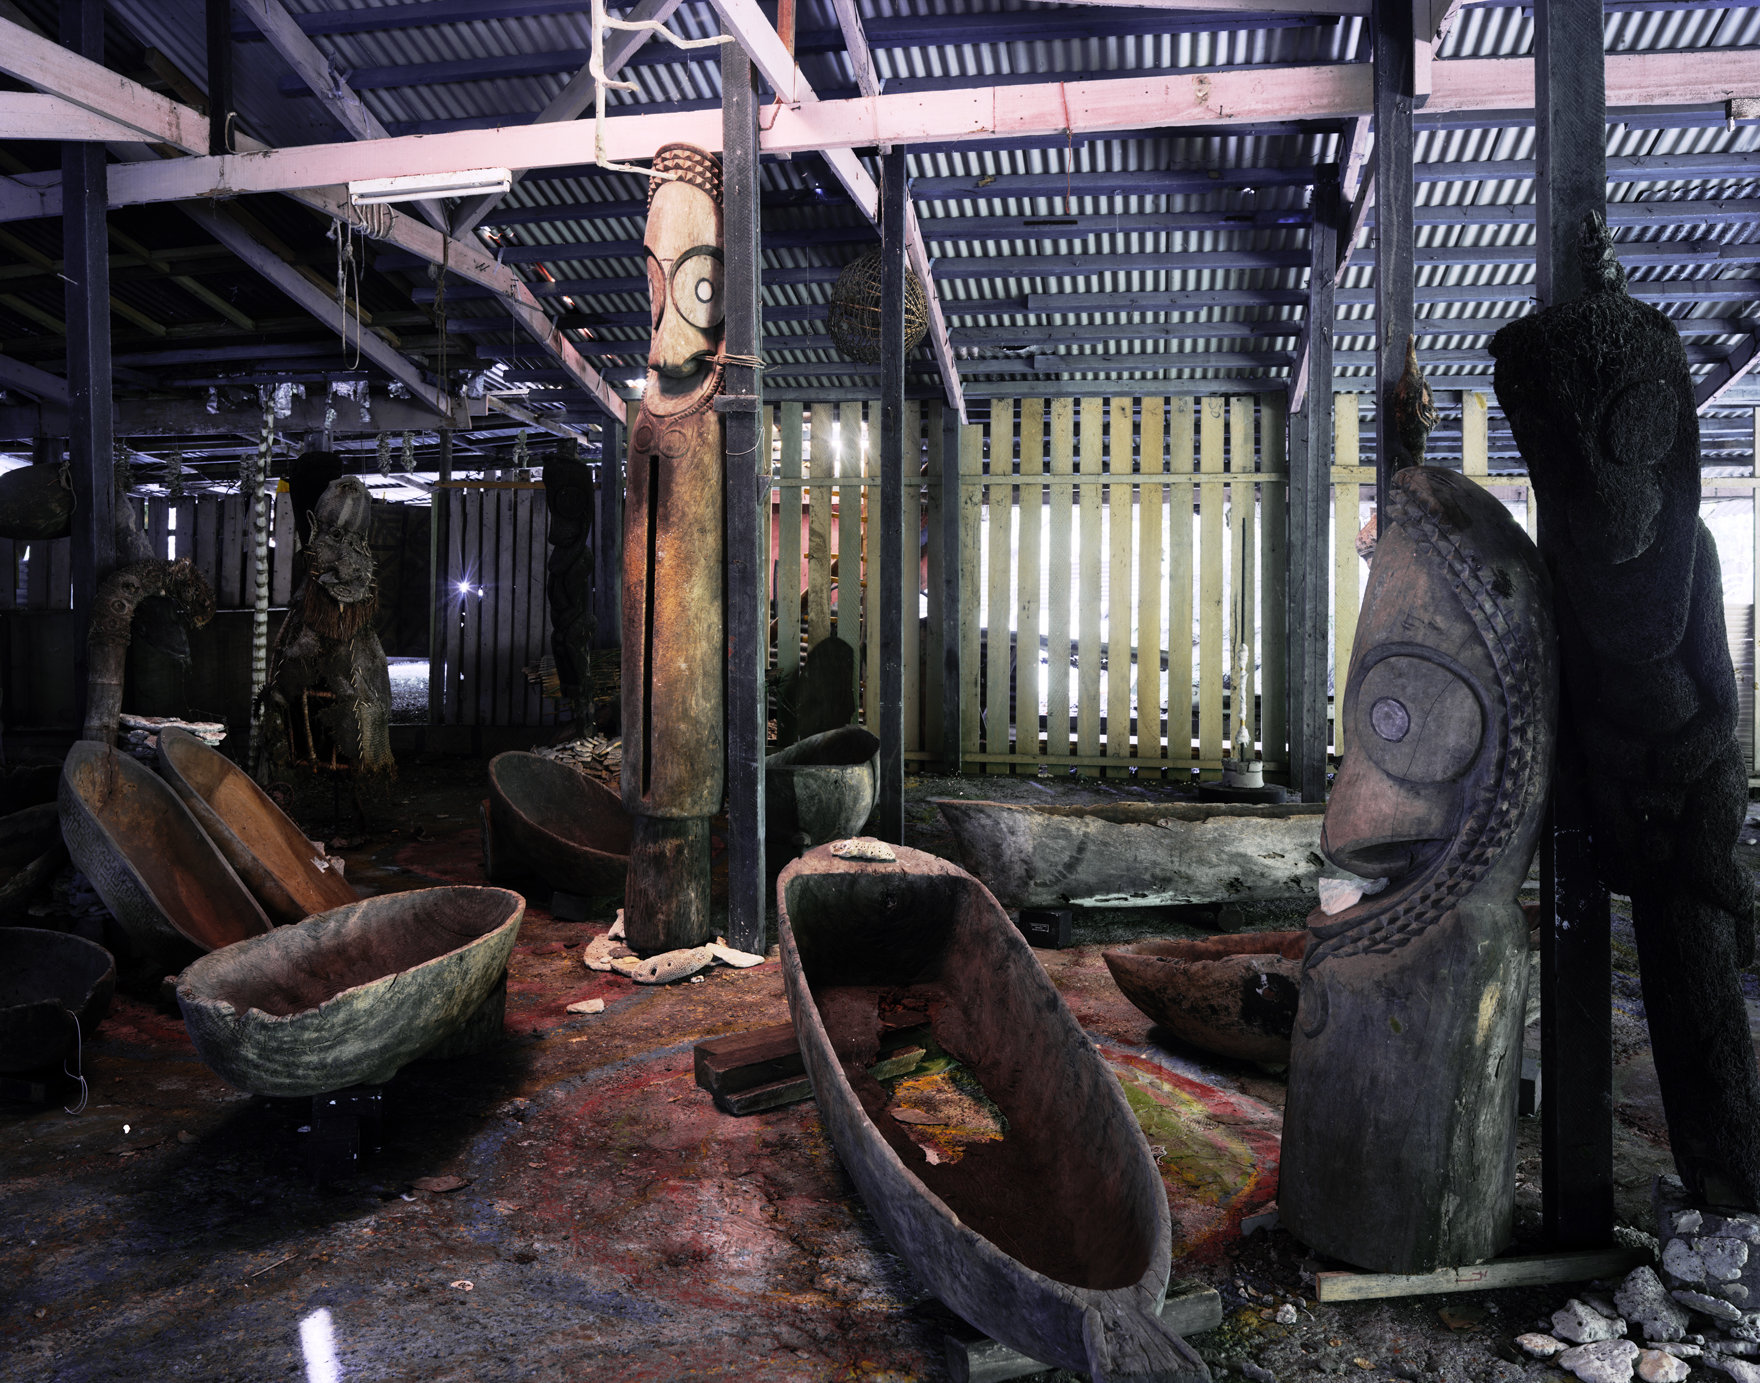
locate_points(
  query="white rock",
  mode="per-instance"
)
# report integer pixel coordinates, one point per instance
(1681, 1263)
(1584, 1325)
(1644, 1301)
(588, 1006)
(1286, 1314)
(1540, 1346)
(864, 848)
(741, 960)
(1739, 1369)
(599, 953)
(1723, 1258)
(1707, 1306)
(669, 966)
(1679, 1348)
(616, 932)
(1656, 1367)
(1687, 1221)
(1604, 1361)
(1338, 894)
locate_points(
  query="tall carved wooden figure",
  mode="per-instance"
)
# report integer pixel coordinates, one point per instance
(1399, 1134)
(1600, 398)
(673, 655)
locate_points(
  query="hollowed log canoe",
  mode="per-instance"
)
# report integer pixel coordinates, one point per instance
(566, 828)
(288, 874)
(48, 980)
(1138, 854)
(353, 995)
(821, 788)
(1231, 995)
(147, 857)
(1054, 1239)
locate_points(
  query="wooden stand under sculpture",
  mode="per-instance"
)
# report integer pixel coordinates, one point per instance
(1399, 1134)
(673, 655)
(1600, 397)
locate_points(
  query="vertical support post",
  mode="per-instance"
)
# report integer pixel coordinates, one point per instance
(608, 538)
(91, 437)
(1310, 459)
(893, 209)
(440, 596)
(1576, 1043)
(219, 17)
(952, 611)
(1395, 268)
(747, 500)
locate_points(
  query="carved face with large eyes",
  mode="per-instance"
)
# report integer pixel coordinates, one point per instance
(684, 264)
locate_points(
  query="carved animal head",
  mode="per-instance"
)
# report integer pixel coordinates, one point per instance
(684, 261)
(1600, 398)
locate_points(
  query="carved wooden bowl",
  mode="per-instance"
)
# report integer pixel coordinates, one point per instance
(1231, 995)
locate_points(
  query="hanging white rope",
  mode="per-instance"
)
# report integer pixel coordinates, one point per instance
(257, 487)
(596, 66)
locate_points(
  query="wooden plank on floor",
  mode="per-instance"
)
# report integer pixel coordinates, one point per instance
(845, 442)
(999, 606)
(1274, 571)
(788, 569)
(1180, 628)
(821, 465)
(1212, 662)
(1091, 562)
(971, 500)
(1583, 1265)
(1029, 584)
(1060, 580)
(936, 495)
(911, 574)
(1243, 563)
(1151, 581)
(1346, 520)
(1120, 602)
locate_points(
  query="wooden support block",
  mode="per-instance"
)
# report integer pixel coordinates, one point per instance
(746, 1072)
(1190, 1308)
(1530, 1271)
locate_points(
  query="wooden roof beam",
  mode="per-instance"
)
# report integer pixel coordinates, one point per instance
(1728, 372)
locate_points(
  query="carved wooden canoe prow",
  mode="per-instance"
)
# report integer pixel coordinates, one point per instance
(289, 875)
(821, 788)
(49, 982)
(1051, 1232)
(353, 995)
(1138, 854)
(1231, 995)
(569, 830)
(146, 856)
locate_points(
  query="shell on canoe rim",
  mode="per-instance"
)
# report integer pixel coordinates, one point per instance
(350, 996)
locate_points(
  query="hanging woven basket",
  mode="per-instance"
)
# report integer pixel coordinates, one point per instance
(854, 316)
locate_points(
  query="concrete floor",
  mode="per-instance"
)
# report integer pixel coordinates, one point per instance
(612, 1223)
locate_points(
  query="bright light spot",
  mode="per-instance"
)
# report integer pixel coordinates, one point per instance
(125, 1128)
(464, 588)
(318, 1342)
(639, 385)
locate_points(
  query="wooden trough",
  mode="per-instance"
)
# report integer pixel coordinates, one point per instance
(1138, 854)
(554, 821)
(353, 995)
(290, 875)
(149, 860)
(53, 986)
(1053, 1237)
(1231, 995)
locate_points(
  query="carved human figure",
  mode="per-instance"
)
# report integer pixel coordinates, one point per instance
(1600, 397)
(673, 658)
(1399, 1134)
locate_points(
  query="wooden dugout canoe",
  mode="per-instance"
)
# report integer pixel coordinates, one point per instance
(48, 980)
(1138, 854)
(288, 873)
(353, 995)
(149, 860)
(1232, 995)
(568, 829)
(1055, 1238)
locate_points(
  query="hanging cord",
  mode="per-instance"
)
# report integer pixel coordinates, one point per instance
(260, 554)
(343, 233)
(1069, 149)
(596, 69)
(78, 1073)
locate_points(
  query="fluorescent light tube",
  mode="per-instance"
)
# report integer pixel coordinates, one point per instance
(421, 187)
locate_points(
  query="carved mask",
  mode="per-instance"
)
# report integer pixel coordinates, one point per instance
(685, 297)
(1449, 714)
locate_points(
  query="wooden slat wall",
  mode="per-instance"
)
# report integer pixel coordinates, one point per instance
(1120, 608)
(1030, 581)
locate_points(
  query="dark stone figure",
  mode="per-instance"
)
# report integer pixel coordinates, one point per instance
(1600, 399)
(1399, 1135)
(568, 492)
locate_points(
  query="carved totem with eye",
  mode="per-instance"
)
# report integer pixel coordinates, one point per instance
(1600, 397)
(1399, 1133)
(673, 655)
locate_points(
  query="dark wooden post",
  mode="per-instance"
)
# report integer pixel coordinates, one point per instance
(890, 813)
(1310, 456)
(219, 17)
(1394, 264)
(952, 610)
(747, 501)
(439, 547)
(1576, 974)
(85, 199)
(608, 538)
